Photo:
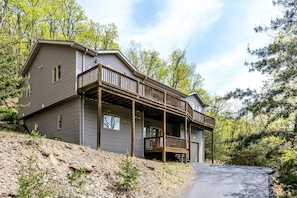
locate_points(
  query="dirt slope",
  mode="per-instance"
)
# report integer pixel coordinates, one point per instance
(59, 159)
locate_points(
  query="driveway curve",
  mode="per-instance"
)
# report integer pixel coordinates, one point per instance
(215, 181)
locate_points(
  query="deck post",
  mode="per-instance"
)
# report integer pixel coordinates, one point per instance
(99, 106)
(164, 136)
(99, 115)
(133, 128)
(190, 140)
(185, 134)
(212, 149)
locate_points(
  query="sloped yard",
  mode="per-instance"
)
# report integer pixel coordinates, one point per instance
(59, 159)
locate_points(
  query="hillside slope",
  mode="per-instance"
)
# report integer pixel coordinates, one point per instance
(59, 159)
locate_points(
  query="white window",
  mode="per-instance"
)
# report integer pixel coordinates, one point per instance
(59, 121)
(56, 73)
(29, 91)
(111, 122)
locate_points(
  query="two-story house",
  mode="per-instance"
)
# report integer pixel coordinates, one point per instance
(98, 99)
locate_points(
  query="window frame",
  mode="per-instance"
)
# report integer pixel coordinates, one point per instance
(60, 121)
(29, 90)
(114, 122)
(56, 73)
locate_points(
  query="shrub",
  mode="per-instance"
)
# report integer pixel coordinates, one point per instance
(75, 181)
(31, 181)
(35, 132)
(127, 174)
(288, 177)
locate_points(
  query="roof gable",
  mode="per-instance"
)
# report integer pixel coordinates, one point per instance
(198, 97)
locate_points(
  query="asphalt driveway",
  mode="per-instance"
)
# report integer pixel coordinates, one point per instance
(215, 181)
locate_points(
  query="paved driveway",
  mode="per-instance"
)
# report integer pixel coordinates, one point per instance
(215, 181)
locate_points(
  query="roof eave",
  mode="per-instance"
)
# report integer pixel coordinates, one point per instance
(197, 95)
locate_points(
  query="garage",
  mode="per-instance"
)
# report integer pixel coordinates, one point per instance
(194, 152)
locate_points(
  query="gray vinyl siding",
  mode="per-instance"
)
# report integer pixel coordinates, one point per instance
(44, 91)
(120, 141)
(194, 152)
(90, 124)
(110, 60)
(114, 62)
(79, 62)
(48, 121)
(139, 141)
(84, 62)
(113, 140)
(90, 62)
(195, 104)
(198, 137)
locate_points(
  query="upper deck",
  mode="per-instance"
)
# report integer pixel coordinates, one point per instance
(141, 91)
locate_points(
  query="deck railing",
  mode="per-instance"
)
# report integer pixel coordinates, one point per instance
(114, 78)
(156, 143)
(175, 142)
(87, 77)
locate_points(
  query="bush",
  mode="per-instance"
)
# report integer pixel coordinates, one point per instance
(35, 132)
(127, 174)
(288, 177)
(9, 115)
(32, 181)
(75, 181)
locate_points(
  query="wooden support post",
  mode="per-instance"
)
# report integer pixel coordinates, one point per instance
(100, 74)
(190, 140)
(185, 134)
(165, 99)
(133, 128)
(99, 116)
(212, 149)
(99, 106)
(164, 136)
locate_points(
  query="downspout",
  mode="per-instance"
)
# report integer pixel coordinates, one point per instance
(82, 108)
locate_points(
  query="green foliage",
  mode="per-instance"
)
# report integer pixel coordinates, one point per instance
(32, 181)
(35, 132)
(10, 83)
(288, 177)
(75, 181)
(147, 62)
(275, 138)
(175, 72)
(22, 22)
(127, 174)
(8, 114)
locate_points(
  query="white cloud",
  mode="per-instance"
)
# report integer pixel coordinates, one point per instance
(225, 71)
(110, 11)
(178, 23)
(228, 73)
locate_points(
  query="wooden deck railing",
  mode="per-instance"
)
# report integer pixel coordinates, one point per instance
(114, 78)
(156, 143)
(87, 77)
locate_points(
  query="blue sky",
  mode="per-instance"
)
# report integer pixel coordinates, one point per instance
(217, 31)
